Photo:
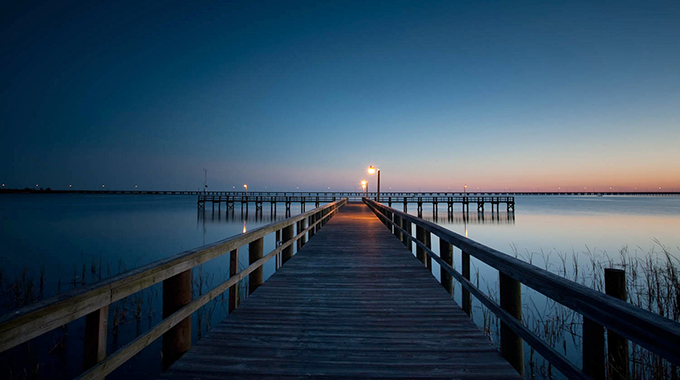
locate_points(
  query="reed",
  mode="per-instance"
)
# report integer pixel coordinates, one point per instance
(653, 283)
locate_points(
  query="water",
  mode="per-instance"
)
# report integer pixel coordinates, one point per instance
(64, 234)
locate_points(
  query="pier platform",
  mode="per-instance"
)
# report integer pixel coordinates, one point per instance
(353, 302)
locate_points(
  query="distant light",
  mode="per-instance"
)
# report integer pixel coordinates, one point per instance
(36, 185)
(246, 186)
(69, 186)
(371, 170)
(3, 185)
(233, 187)
(102, 186)
(330, 188)
(135, 186)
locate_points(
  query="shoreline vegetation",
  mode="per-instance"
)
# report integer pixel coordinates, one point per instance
(652, 282)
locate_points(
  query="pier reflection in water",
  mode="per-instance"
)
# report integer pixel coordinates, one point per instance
(472, 218)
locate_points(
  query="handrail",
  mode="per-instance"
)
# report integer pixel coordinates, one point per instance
(312, 197)
(654, 332)
(31, 321)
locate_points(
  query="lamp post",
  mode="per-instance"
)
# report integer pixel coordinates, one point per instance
(246, 189)
(465, 190)
(364, 187)
(372, 170)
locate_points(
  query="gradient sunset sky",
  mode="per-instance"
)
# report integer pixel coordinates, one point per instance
(287, 94)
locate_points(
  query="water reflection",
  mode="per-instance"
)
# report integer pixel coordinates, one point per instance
(203, 216)
(472, 218)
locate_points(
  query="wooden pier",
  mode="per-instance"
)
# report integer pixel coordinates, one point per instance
(230, 200)
(354, 302)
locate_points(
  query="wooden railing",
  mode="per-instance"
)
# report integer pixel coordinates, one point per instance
(175, 273)
(651, 331)
(266, 198)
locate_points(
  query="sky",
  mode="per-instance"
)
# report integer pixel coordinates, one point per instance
(287, 95)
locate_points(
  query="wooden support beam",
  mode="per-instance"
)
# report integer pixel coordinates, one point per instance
(428, 244)
(593, 349)
(446, 253)
(302, 225)
(309, 223)
(397, 232)
(467, 302)
(176, 294)
(420, 253)
(233, 270)
(255, 251)
(512, 347)
(95, 337)
(617, 346)
(287, 253)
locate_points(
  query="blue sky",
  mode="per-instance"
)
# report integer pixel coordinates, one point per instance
(308, 94)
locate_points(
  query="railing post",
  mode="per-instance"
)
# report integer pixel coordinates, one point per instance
(428, 244)
(233, 270)
(176, 294)
(446, 253)
(465, 263)
(311, 222)
(287, 252)
(301, 227)
(406, 225)
(255, 250)
(397, 222)
(512, 347)
(95, 337)
(420, 253)
(593, 349)
(617, 346)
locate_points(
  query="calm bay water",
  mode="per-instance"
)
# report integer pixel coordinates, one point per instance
(66, 236)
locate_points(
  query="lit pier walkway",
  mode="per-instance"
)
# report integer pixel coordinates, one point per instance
(354, 302)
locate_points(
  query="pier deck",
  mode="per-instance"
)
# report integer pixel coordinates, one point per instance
(354, 302)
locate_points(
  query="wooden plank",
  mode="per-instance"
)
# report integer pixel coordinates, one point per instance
(353, 302)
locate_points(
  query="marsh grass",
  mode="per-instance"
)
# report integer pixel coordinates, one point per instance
(653, 283)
